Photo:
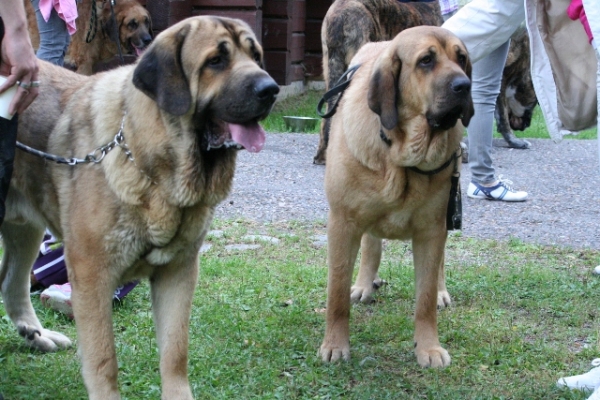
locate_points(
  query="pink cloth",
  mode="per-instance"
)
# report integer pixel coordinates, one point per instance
(66, 10)
(575, 11)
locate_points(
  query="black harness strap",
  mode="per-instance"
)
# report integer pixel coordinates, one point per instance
(338, 89)
(434, 171)
(454, 210)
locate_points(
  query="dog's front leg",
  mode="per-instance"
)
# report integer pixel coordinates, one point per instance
(428, 248)
(343, 240)
(172, 294)
(92, 307)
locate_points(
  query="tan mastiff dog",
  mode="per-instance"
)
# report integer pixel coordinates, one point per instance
(392, 153)
(163, 137)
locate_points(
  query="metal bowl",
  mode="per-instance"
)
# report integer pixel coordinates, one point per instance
(300, 124)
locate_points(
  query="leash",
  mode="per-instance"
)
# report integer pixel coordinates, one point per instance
(91, 34)
(338, 89)
(117, 36)
(96, 156)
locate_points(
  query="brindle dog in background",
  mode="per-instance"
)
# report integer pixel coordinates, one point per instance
(349, 24)
(517, 99)
(131, 27)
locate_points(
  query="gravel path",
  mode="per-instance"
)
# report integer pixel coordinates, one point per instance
(563, 180)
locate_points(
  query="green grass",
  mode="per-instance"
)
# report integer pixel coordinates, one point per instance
(522, 316)
(305, 105)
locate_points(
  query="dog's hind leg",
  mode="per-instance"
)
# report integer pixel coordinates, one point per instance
(21, 247)
(172, 288)
(443, 297)
(367, 281)
(503, 126)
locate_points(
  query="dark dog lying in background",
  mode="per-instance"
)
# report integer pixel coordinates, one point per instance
(349, 24)
(515, 104)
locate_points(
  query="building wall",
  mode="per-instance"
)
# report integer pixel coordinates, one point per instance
(290, 30)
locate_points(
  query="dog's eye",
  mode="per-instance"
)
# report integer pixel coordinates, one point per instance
(257, 57)
(462, 60)
(216, 61)
(132, 24)
(426, 61)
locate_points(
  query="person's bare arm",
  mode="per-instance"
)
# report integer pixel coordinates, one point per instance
(18, 61)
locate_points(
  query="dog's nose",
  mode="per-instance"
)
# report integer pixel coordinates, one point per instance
(147, 40)
(460, 85)
(266, 89)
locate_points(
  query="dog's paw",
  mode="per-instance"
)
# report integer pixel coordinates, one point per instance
(434, 357)
(333, 353)
(443, 299)
(364, 294)
(519, 144)
(43, 339)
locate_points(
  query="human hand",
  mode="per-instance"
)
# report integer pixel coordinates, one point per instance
(19, 64)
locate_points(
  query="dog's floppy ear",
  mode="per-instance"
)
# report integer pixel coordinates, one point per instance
(469, 111)
(160, 75)
(150, 31)
(384, 92)
(110, 26)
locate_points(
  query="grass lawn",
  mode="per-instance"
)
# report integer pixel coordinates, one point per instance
(522, 316)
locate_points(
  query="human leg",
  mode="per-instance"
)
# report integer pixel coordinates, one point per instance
(54, 36)
(486, 81)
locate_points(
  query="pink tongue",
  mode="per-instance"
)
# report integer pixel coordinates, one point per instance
(250, 135)
(138, 52)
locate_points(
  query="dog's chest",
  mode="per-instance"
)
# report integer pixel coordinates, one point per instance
(415, 208)
(394, 224)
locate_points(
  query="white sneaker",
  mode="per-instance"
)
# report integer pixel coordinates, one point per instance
(58, 297)
(596, 270)
(595, 395)
(501, 191)
(588, 381)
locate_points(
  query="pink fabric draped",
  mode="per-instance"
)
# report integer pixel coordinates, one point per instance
(66, 9)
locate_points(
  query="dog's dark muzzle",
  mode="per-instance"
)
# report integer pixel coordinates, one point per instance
(454, 103)
(266, 90)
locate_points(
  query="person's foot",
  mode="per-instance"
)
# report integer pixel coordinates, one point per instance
(501, 190)
(588, 381)
(58, 297)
